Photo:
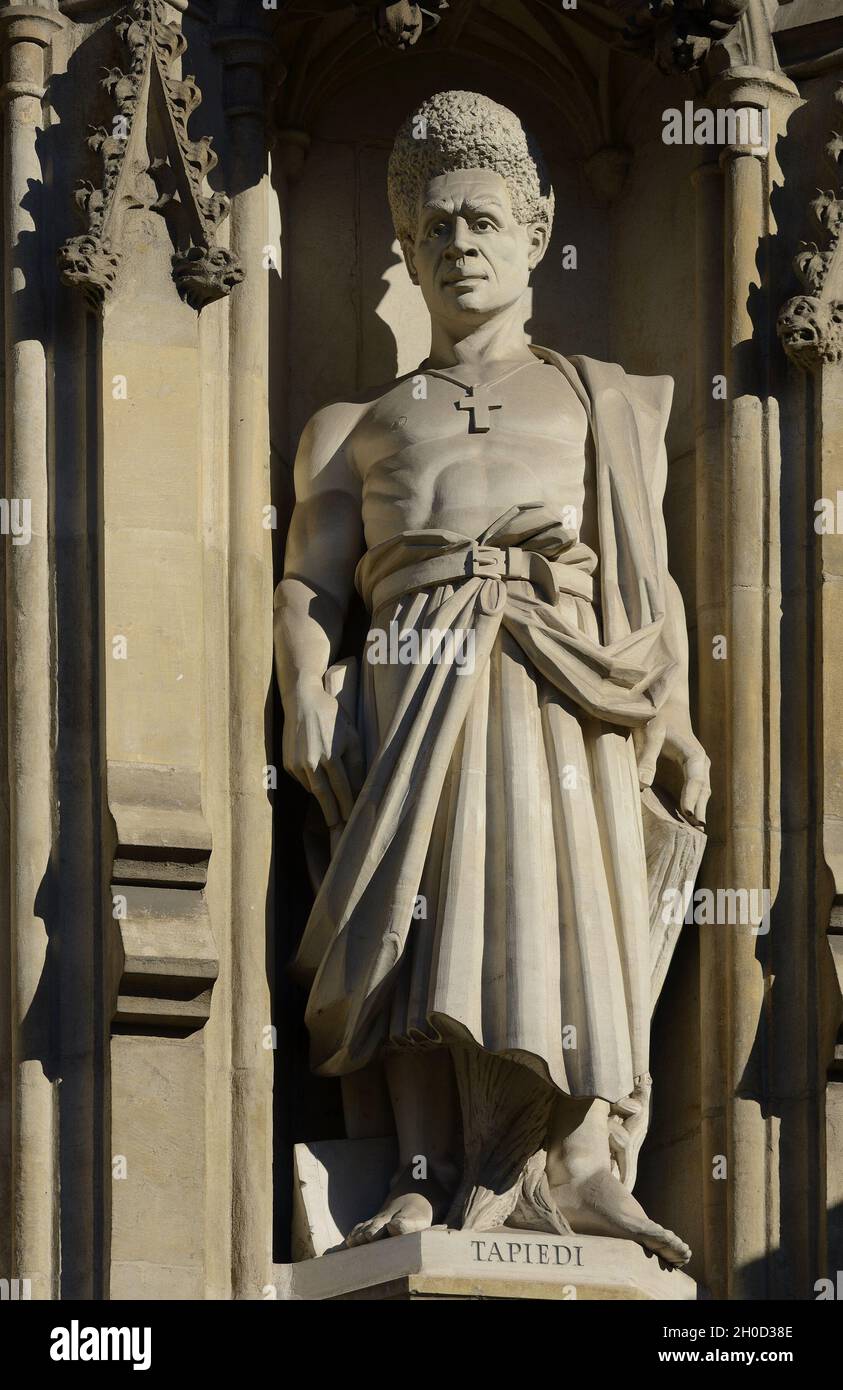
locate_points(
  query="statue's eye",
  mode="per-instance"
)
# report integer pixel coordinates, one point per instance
(437, 229)
(484, 224)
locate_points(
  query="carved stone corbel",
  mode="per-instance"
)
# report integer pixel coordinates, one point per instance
(290, 150)
(132, 155)
(811, 325)
(402, 24)
(398, 26)
(166, 961)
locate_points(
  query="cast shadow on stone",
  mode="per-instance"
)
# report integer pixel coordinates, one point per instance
(798, 1283)
(308, 1107)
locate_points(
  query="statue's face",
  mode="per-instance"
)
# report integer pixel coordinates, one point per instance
(470, 257)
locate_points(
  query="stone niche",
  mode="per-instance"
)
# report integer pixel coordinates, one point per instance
(617, 284)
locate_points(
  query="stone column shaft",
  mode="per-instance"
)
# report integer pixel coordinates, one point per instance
(712, 684)
(746, 861)
(34, 1140)
(751, 468)
(250, 613)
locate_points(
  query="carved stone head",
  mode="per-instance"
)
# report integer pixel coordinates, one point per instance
(811, 330)
(471, 203)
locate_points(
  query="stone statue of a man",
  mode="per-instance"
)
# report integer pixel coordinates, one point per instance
(483, 928)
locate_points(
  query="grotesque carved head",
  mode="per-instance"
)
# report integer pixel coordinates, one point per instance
(464, 130)
(472, 206)
(811, 330)
(89, 262)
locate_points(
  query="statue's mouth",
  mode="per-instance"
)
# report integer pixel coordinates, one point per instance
(798, 333)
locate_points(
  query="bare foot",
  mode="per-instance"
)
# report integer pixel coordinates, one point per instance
(413, 1204)
(600, 1205)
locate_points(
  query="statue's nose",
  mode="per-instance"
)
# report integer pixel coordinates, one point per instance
(460, 243)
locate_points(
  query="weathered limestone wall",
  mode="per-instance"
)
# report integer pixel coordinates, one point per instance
(150, 1166)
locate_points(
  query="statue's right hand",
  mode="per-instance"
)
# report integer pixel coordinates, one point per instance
(321, 749)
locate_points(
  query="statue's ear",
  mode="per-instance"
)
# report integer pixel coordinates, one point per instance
(538, 238)
(409, 259)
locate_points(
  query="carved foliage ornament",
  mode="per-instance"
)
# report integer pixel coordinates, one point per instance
(149, 161)
(811, 325)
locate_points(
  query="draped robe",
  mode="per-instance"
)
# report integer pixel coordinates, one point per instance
(502, 797)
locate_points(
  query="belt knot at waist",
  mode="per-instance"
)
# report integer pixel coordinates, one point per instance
(479, 560)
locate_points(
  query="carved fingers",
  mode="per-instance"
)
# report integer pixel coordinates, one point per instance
(650, 746)
(697, 786)
(322, 751)
(688, 753)
(676, 740)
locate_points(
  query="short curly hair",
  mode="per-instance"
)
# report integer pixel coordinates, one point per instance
(464, 130)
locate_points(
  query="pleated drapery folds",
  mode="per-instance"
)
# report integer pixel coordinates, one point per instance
(490, 886)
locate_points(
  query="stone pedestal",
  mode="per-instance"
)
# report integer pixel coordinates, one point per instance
(492, 1264)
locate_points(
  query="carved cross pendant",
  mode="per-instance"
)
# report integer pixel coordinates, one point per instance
(479, 406)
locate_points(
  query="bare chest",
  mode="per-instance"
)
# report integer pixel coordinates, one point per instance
(535, 405)
(434, 452)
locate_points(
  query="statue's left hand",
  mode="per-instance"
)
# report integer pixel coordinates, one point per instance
(670, 734)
